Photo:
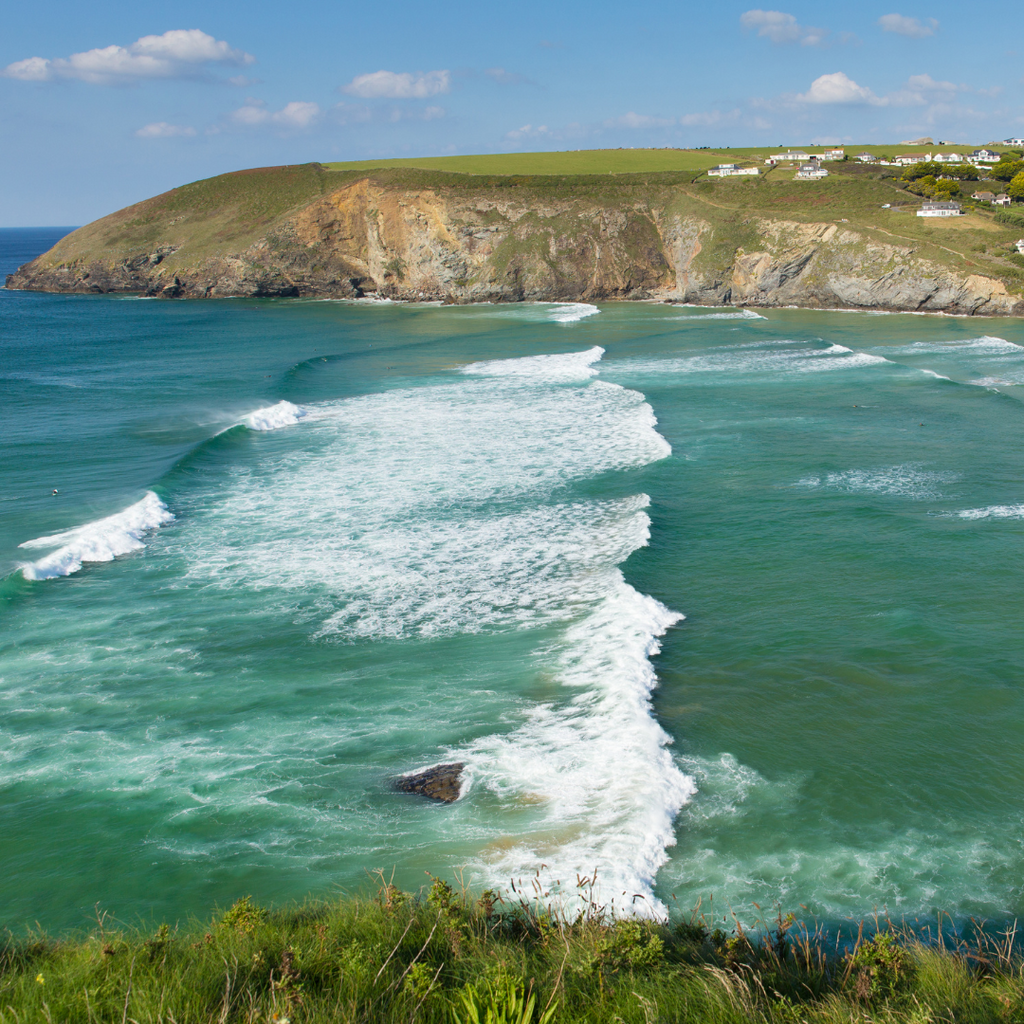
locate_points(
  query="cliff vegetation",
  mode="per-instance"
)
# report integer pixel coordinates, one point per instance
(443, 957)
(426, 233)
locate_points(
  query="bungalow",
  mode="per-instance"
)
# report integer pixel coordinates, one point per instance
(940, 210)
(811, 172)
(788, 158)
(832, 155)
(1002, 200)
(731, 170)
(948, 158)
(909, 159)
(984, 156)
(867, 158)
(985, 197)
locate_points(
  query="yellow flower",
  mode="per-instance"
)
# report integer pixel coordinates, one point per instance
(40, 979)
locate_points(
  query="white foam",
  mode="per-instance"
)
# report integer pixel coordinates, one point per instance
(571, 366)
(596, 764)
(757, 358)
(570, 312)
(444, 509)
(908, 480)
(987, 344)
(993, 512)
(273, 417)
(100, 541)
(738, 314)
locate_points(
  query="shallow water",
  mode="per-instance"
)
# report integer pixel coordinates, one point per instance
(300, 547)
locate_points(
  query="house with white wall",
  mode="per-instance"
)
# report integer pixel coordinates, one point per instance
(811, 172)
(788, 158)
(940, 210)
(831, 155)
(731, 171)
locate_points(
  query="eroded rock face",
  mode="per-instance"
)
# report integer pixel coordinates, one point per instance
(439, 782)
(463, 245)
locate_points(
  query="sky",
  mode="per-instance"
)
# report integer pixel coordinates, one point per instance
(104, 104)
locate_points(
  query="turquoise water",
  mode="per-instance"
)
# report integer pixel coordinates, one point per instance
(300, 547)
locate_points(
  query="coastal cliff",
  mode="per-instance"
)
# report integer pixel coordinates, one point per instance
(419, 236)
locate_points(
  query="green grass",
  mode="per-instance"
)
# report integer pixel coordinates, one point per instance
(613, 161)
(442, 957)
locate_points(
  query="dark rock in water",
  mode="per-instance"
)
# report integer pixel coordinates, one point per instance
(439, 782)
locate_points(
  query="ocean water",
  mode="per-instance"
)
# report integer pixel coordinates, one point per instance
(713, 604)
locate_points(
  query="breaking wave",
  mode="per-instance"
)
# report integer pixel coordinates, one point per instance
(99, 541)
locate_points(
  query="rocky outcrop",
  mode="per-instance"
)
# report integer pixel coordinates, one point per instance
(440, 782)
(347, 236)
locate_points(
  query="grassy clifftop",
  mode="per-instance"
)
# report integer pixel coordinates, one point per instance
(441, 957)
(666, 231)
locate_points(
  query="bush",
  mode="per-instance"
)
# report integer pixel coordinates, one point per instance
(879, 969)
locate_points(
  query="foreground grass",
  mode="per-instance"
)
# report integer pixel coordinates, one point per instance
(443, 958)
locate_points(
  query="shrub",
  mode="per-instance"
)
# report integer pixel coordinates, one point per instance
(879, 969)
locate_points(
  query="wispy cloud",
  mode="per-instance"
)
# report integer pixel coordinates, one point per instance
(294, 115)
(779, 27)
(396, 85)
(503, 77)
(163, 130)
(904, 26)
(362, 113)
(179, 53)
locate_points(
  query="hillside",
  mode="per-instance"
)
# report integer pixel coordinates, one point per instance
(651, 225)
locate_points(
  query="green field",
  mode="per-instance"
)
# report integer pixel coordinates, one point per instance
(612, 161)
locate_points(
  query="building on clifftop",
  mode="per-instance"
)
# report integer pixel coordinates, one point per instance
(940, 210)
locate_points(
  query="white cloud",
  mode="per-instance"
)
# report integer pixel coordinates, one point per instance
(178, 53)
(780, 27)
(838, 88)
(296, 114)
(904, 26)
(920, 90)
(399, 85)
(163, 130)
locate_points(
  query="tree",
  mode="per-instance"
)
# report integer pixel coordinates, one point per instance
(1006, 170)
(1015, 190)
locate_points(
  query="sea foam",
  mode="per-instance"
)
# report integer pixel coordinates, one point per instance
(450, 509)
(273, 417)
(99, 541)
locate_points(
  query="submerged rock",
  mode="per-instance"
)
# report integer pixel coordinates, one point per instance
(439, 782)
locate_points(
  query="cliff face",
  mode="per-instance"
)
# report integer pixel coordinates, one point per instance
(498, 243)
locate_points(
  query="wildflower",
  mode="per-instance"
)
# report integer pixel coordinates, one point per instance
(40, 979)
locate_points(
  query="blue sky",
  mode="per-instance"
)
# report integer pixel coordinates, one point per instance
(105, 104)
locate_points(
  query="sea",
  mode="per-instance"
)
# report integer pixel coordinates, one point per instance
(719, 608)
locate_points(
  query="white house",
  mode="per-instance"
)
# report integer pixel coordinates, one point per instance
(985, 197)
(940, 210)
(984, 156)
(1020, 246)
(948, 158)
(909, 159)
(867, 158)
(811, 172)
(1016, 143)
(731, 171)
(833, 154)
(1002, 200)
(788, 157)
